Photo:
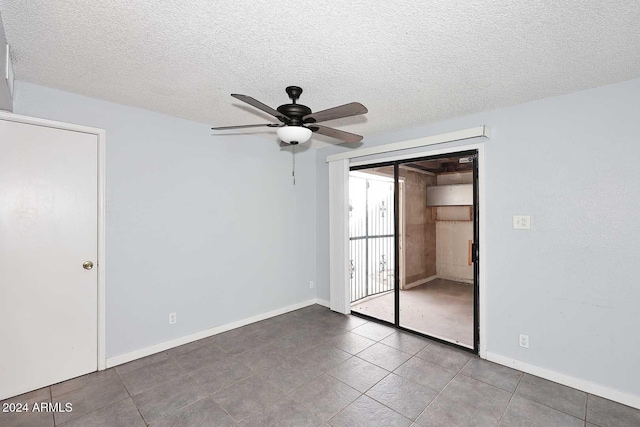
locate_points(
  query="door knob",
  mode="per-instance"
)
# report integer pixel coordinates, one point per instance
(87, 265)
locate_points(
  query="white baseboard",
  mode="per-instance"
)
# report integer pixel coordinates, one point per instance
(323, 302)
(419, 282)
(147, 351)
(577, 383)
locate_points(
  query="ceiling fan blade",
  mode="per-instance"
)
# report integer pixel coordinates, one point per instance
(270, 125)
(335, 133)
(259, 105)
(346, 110)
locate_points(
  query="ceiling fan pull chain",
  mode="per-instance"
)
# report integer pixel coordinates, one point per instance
(293, 169)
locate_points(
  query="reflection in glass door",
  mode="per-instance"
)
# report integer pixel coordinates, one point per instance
(371, 243)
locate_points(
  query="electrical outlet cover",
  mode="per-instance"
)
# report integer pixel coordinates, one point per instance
(524, 341)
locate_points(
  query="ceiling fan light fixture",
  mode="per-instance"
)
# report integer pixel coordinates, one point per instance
(289, 134)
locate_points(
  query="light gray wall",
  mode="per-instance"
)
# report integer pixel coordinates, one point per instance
(571, 282)
(208, 227)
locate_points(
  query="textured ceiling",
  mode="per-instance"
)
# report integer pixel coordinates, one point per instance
(410, 62)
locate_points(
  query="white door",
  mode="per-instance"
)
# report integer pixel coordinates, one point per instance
(48, 229)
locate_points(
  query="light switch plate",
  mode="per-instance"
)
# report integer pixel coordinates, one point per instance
(522, 222)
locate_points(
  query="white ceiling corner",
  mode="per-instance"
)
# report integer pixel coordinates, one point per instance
(410, 63)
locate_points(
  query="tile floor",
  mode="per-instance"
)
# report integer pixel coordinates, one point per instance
(441, 308)
(313, 367)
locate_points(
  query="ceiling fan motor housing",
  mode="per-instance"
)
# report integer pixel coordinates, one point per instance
(295, 112)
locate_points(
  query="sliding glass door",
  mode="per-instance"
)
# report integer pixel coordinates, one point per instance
(413, 245)
(436, 296)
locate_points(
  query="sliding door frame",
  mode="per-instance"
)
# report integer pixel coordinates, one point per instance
(480, 286)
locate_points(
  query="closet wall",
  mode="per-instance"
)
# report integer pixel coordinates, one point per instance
(453, 232)
(419, 228)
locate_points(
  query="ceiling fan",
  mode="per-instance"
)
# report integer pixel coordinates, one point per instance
(298, 122)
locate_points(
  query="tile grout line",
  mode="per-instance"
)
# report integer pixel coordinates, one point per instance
(440, 392)
(586, 409)
(53, 416)
(511, 398)
(311, 410)
(80, 388)
(463, 366)
(382, 367)
(91, 412)
(131, 397)
(555, 409)
(550, 407)
(259, 411)
(492, 385)
(402, 351)
(361, 392)
(253, 373)
(207, 393)
(270, 342)
(218, 403)
(185, 373)
(348, 385)
(409, 379)
(386, 376)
